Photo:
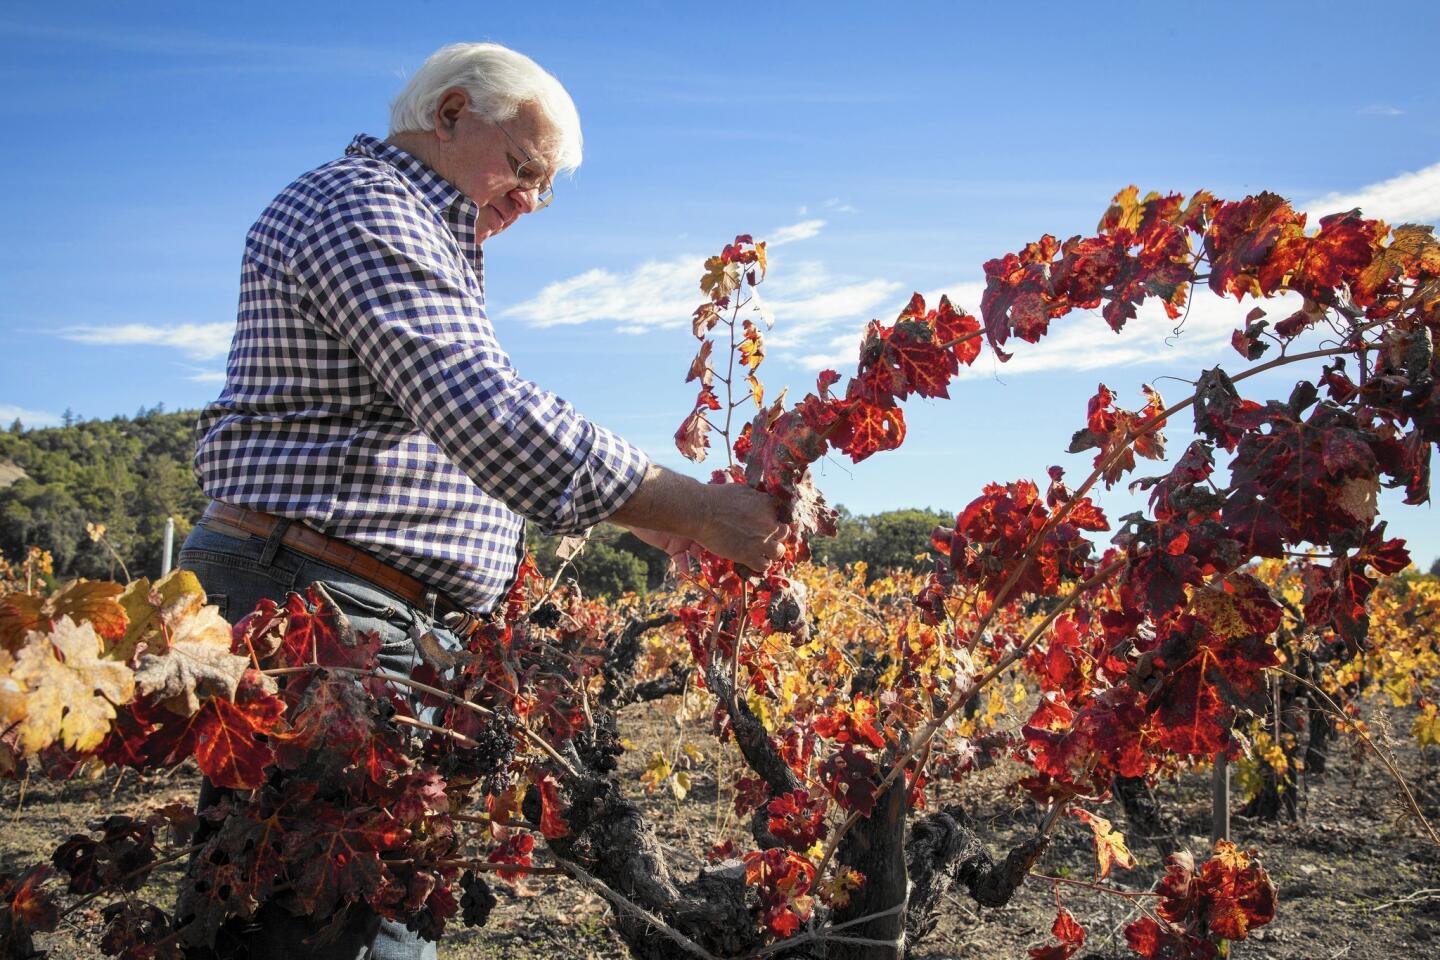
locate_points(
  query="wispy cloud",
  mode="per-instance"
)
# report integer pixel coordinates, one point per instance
(803, 230)
(658, 293)
(200, 341)
(207, 376)
(1381, 110)
(9, 413)
(806, 298)
(1407, 198)
(838, 205)
(662, 294)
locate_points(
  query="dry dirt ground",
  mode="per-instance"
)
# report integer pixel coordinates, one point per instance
(1356, 881)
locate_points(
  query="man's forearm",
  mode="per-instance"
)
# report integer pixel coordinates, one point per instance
(668, 501)
(729, 519)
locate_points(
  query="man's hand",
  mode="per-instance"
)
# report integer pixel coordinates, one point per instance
(742, 525)
(672, 511)
(678, 548)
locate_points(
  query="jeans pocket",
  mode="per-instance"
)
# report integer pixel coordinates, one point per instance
(369, 609)
(359, 601)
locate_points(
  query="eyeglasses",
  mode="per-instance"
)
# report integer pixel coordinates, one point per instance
(529, 172)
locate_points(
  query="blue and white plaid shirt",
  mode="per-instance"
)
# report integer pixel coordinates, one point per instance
(366, 393)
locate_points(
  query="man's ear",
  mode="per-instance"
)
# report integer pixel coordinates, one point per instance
(448, 108)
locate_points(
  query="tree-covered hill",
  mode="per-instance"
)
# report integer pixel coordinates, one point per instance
(128, 473)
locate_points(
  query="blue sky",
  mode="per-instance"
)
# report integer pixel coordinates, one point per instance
(893, 148)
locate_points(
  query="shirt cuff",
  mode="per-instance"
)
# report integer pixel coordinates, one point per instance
(608, 478)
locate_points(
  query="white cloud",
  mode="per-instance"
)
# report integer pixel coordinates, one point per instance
(1381, 110)
(207, 376)
(803, 230)
(836, 204)
(1407, 198)
(202, 341)
(805, 299)
(656, 294)
(798, 319)
(9, 413)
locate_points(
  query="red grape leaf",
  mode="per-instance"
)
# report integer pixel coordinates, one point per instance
(1066, 930)
(849, 775)
(231, 741)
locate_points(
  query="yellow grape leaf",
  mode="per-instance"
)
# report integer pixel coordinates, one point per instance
(751, 347)
(995, 707)
(720, 279)
(71, 701)
(197, 664)
(83, 601)
(757, 391)
(1125, 211)
(179, 594)
(1231, 856)
(836, 890)
(760, 258)
(1426, 727)
(680, 785)
(657, 771)
(1110, 846)
(760, 706)
(12, 691)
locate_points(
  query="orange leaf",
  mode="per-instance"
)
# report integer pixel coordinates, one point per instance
(1110, 846)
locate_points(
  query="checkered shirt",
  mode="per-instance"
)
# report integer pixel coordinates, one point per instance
(366, 394)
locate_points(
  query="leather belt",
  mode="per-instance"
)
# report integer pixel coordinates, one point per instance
(337, 553)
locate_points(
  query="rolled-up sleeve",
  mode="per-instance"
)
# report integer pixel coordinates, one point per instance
(386, 280)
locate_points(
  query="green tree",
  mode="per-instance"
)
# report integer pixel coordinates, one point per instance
(884, 541)
(128, 474)
(613, 562)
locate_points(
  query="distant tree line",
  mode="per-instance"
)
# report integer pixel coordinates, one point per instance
(127, 473)
(130, 473)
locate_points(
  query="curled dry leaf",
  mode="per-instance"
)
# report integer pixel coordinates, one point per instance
(154, 609)
(198, 663)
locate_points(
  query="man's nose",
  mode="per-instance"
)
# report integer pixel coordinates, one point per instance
(527, 200)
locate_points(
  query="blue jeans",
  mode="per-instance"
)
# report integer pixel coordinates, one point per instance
(238, 571)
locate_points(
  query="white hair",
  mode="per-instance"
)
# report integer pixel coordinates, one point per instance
(498, 80)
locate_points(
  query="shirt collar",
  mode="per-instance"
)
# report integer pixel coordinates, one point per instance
(458, 210)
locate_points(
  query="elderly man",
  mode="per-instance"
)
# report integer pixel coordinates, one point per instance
(373, 436)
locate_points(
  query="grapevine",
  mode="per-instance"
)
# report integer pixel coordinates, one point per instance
(355, 786)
